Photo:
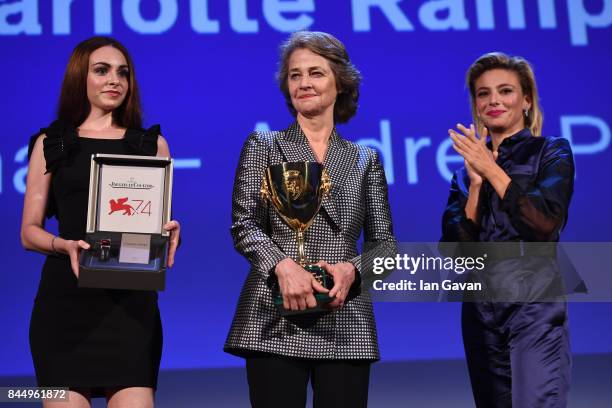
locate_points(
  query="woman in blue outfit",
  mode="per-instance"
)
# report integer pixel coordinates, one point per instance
(515, 188)
(96, 342)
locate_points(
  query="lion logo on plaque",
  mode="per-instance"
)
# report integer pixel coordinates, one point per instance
(121, 205)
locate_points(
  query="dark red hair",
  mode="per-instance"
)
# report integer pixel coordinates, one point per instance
(74, 106)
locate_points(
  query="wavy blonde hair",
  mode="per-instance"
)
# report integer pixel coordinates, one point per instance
(498, 60)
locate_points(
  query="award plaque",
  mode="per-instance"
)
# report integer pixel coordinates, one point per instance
(129, 202)
(296, 191)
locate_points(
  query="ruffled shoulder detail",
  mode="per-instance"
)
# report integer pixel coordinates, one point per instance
(142, 142)
(59, 145)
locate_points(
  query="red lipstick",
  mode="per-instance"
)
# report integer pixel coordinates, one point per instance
(495, 113)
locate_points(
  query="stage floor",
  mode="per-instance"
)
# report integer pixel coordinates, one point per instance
(423, 384)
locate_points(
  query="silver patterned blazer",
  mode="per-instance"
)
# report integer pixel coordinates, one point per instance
(358, 202)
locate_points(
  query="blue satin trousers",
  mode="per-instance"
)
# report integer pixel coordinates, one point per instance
(518, 354)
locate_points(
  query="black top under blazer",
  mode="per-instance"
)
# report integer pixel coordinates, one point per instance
(358, 202)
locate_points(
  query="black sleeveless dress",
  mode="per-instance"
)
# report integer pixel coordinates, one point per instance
(82, 337)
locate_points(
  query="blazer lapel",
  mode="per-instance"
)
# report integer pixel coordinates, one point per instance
(339, 161)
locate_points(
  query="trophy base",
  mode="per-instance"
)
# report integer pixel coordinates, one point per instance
(322, 298)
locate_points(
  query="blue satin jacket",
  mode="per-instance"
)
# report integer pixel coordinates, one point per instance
(534, 209)
(535, 206)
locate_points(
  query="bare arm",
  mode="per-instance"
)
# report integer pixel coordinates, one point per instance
(498, 179)
(162, 147)
(34, 237)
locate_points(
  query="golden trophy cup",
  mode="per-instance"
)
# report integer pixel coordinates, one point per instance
(296, 191)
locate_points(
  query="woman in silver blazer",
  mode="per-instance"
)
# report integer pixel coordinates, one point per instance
(333, 349)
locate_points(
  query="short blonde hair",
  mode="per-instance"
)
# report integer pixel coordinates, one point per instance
(498, 60)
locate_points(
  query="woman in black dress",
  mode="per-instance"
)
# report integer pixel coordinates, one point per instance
(97, 342)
